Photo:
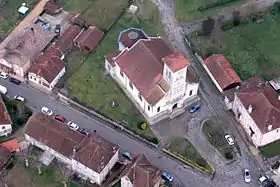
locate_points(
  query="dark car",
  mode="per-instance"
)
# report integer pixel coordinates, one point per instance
(59, 118)
(57, 30)
(83, 131)
(195, 107)
(15, 81)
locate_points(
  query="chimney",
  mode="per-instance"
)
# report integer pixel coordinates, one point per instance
(237, 87)
(250, 108)
(278, 97)
(32, 29)
(269, 127)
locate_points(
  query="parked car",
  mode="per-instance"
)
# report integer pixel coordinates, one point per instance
(3, 75)
(73, 125)
(127, 155)
(195, 107)
(229, 139)
(247, 176)
(19, 98)
(57, 30)
(83, 131)
(15, 81)
(59, 118)
(3, 90)
(46, 111)
(166, 176)
(263, 179)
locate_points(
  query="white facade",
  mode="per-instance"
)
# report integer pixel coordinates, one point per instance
(76, 166)
(179, 91)
(125, 182)
(5, 129)
(42, 82)
(254, 133)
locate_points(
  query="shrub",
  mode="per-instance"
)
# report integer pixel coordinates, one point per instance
(143, 126)
(228, 155)
(201, 162)
(214, 4)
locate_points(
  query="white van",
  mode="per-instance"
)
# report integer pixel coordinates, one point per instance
(3, 90)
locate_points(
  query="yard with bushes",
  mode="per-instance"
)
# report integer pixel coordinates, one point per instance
(9, 16)
(183, 148)
(271, 150)
(251, 47)
(92, 88)
(216, 137)
(188, 11)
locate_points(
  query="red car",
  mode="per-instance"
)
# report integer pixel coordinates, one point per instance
(59, 118)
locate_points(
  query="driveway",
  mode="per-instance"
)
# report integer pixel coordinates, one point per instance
(36, 99)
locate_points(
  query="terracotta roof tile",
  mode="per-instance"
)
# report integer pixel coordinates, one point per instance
(47, 66)
(5, 155)
(51, 7)
(130, 36)
(222, 71)
(176, 61)
(90, 38)
(141, 173)
(92, 151)
(65, 42)
(11, 145)
(142, 64)
(110, 57)
(4, 115)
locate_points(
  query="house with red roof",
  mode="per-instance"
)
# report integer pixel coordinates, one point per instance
(221, 72)
(5, 120)
(256, 106)
(155, 78)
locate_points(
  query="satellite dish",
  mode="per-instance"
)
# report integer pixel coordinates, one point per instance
(23, 4)
(133, 35)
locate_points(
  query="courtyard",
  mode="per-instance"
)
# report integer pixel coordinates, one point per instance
(91, 87)
(252, 47)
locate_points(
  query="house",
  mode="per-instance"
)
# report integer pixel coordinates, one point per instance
(90, 38)
(90, 156)
(48, 68)
(66, 41)
(21, 47)
(155, 78)
(5, 120)
(12, 145)
(256, 106)
(221, 72)
(140, 173)
(51, 8)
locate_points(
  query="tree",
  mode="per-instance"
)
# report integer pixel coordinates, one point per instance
(3, 177)
(32, 155)
(65, 173)
(208, 26)
(236, 18)
(143, 126)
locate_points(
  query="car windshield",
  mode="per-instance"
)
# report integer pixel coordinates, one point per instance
(247, 173)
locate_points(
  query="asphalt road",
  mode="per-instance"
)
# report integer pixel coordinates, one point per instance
(36, 99)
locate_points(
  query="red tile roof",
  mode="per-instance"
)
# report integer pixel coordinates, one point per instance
(221, 70)
(90, 38)
(4, 115)
(263, 99)
(110, 57)
(54, 50)
(47, 66)
(141, 173)
(143, 65)
(126, 36)
(92, 151)
(51, 7)
(5, 155)
(176, 61)
(11, 145)
(65, 42)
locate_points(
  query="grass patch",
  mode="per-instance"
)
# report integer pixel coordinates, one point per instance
(92, 88)
(101, 13)
(251, 48)
(188, 11)
(271, 150)
(215, 135)
(183, 148)
(9, 16)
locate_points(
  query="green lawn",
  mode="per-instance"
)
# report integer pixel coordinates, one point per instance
(91, 87)
(251, 48)
(271, 149)
(9, 15)
(101, 13)
(215, 135)
(188, 11)
(184, 148)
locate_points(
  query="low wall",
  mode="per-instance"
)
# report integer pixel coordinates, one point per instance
(101, 118)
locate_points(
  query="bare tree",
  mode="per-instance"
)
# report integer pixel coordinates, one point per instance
(33, 156)
(3, 177)
(64, 172)
(207, 26)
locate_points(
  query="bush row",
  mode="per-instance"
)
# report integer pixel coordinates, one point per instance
(215, 4)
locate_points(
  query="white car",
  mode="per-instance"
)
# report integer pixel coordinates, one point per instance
(19, 98)
(3, 75)
(229, 139)
(73, 125)
(46, 111)
(247, 176)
